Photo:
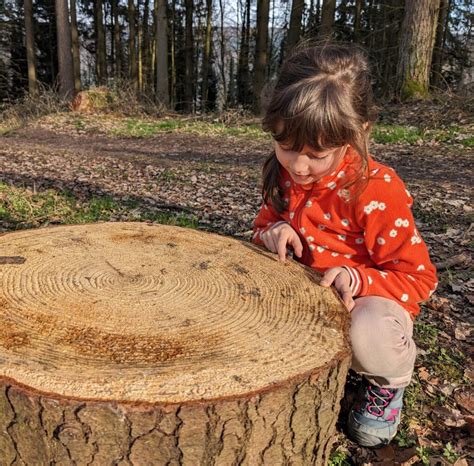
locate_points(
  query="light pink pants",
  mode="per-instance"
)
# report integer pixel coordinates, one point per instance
(382, 342)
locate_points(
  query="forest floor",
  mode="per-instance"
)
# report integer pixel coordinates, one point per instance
(68, 168)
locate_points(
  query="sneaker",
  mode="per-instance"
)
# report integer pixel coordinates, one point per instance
(375, 416)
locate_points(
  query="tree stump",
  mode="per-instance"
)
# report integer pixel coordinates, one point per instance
(139, 344)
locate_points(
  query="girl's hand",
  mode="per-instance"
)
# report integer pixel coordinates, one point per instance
(342, 281)
(279, 236)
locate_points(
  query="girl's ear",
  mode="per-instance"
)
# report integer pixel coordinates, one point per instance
(366, 125)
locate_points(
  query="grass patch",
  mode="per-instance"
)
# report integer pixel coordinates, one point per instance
(22, 208)
(444, 362)
(339, 458)
(396, 134)
(137, 128)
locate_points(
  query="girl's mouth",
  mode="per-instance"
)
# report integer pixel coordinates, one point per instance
(302, 178)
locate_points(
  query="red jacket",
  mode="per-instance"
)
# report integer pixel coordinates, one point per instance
(374, 234)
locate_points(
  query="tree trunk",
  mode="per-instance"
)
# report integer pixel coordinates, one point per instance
(243, 72)
(223, 53)
(116, 41)
(30, 47)
(173, 92)
(207, 56)
(132, 44)
(327, 19)
(358, 11)
(294, 32)
(76, 58)
(389, 57)
(207, 351)
(101, 61)
(189, 60)
(66, 69)
(162, 90)
(438, 52)
(261, 58)
(146, 57)
(416, 48)
(139, 47)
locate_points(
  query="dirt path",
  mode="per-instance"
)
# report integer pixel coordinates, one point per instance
(217, 180)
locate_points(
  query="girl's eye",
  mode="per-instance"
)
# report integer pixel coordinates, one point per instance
(319, 156)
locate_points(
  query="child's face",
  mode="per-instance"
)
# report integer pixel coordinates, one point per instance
(309, 166)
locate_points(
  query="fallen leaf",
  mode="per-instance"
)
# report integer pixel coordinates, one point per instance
(465, 399)
(386, 453)
(461, 462)
(462, 331)
(423, 373)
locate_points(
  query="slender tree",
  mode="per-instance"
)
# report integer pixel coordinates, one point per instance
(206, 59)
(327, 19)
(101, 60)
(294, 32)
(30, 47)
(173, 84)
(189, 59)
(416, 48)
(438, 52)
(133, 70)
(76, 59)
(261, 58)
(117, 45)
(66, 69)
(222, 47)
(146, 56)
(162, 91)
(243, 72)
(358, 10)
(139, 47)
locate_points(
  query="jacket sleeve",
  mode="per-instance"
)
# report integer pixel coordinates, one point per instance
(403, 270)
(266, 218)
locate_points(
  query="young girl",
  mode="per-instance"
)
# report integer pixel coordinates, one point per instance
(348, 216)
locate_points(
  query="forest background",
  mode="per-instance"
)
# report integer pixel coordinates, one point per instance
(115, 110)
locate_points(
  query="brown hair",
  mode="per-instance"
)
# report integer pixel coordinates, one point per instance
(322, 99)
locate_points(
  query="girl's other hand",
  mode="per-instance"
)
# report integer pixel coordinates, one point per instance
(277, 238)
(342, 282)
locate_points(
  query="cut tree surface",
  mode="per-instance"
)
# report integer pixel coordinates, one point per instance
(132, 343)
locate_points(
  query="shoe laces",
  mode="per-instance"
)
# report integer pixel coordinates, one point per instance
(378, 399)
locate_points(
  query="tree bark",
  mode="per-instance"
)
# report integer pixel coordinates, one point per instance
(327, 19)
(207, 351)
(189, 60)
(76, 58)
(66, 69)
(30, 47)
(162, 89)
(416, 48)
(294, 32)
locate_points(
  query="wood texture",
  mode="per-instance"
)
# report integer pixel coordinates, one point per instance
(130, 343)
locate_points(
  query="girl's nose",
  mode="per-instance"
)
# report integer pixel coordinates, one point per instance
(300, 165)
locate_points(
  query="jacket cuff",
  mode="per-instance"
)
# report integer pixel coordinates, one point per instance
(356, 284)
